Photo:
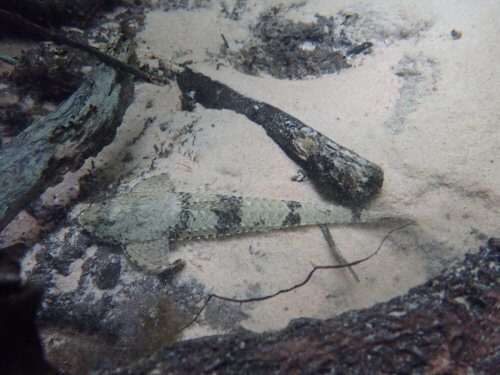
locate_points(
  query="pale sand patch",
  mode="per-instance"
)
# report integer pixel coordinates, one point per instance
(433, 128)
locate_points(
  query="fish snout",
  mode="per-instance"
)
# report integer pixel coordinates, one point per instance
(89, 217)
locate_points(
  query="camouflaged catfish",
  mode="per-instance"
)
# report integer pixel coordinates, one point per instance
(145, 220)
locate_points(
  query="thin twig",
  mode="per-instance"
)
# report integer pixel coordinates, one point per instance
(225, 41)
(336, 253)
(294, 287)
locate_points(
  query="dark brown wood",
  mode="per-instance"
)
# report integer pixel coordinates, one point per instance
(338, 172)
(79, 128)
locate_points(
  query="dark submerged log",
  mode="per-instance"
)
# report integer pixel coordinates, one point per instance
(77, 129)
(338, 172)
(447, 325)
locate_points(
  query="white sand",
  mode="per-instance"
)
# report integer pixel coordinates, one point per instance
(436, 137)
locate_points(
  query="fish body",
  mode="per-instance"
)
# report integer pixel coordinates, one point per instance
(145, 220)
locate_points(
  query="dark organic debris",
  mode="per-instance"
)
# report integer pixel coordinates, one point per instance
(288, 49)
(50, 72)
(235, 14)
(301, 176)
(356, 50)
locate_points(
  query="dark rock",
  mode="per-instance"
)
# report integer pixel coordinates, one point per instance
(293, 50)
(106, 269)
(103, 310)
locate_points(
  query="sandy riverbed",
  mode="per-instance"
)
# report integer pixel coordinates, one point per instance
(424, 107)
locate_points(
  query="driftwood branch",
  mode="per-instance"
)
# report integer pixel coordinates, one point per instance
(79, 127)
(337, 171)
(448, 325)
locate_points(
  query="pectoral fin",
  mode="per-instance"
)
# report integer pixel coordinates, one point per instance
(152, 256)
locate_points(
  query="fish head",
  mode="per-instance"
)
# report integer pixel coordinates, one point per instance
(98, 220)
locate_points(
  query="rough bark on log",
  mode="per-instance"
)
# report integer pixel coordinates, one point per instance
(338, 172)
(448, 325)
(79, 128)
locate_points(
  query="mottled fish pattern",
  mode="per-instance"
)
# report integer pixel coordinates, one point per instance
(145, 220)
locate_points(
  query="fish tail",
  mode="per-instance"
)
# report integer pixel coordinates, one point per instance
(367, 216)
